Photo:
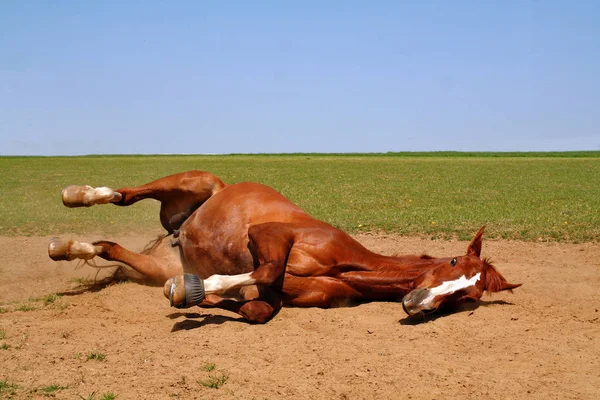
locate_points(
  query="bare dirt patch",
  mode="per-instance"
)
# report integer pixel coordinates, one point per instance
(542, 342)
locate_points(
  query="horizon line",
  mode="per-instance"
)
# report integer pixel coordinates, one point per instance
(579, 153)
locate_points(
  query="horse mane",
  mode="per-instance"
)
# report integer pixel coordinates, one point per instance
(421, 257)
(494, 281)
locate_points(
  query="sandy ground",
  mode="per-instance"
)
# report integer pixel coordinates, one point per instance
(542, 342)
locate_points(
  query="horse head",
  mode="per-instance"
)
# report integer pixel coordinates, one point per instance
(455, 281)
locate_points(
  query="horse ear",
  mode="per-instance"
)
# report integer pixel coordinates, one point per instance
(474, 248)
(494, 282)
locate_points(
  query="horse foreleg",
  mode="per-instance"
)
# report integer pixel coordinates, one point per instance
(256, 308)
(156, 269)
(270, 244)
(188, 290)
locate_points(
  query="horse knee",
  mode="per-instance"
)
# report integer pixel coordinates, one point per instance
(268, 273)
(257, 312)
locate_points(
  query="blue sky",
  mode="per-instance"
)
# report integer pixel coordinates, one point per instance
(151, 77)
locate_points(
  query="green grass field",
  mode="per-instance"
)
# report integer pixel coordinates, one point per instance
(525, 196)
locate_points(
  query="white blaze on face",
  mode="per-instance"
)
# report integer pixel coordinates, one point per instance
(222, 283)
(448, 288)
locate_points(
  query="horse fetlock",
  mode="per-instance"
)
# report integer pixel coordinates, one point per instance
(87, 196)
(59, 250)
(184, 291)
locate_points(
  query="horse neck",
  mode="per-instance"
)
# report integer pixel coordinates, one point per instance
(407, 266)
(380, 277)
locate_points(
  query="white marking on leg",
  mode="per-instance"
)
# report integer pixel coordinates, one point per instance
(223, 283)
(83, 250)
(101, 195)
(449, 287)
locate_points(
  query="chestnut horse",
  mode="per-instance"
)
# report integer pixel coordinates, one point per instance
(248, 249)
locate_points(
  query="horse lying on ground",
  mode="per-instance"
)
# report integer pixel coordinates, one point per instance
(248, 249)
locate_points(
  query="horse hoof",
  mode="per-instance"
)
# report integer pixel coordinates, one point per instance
(86, 196)
(184, 291)
(58, 249)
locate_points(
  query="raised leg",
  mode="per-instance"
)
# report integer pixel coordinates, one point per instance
(179, 194)
(158, 265)
(87, 196)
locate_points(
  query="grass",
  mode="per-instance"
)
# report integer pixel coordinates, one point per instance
(209, 367)
(8, 388)
(25, 307)
(96, 355)
(524, 196)
(214, 381)
(50, 299)
(2, 334)
(46, 299)
(104, 396)
(50, 390)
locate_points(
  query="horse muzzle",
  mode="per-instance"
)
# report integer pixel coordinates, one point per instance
(184, 291)
(416, 302)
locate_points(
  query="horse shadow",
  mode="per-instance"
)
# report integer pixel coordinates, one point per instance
(119, 275)
(467, 307)
(196, 320)
(92, 287)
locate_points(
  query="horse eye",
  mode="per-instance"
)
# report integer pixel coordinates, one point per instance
(453, 262)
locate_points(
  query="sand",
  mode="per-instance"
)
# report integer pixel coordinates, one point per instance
(540, 342)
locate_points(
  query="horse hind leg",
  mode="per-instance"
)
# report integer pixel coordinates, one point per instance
(157, 266)
(87, 196)
(179, 194)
